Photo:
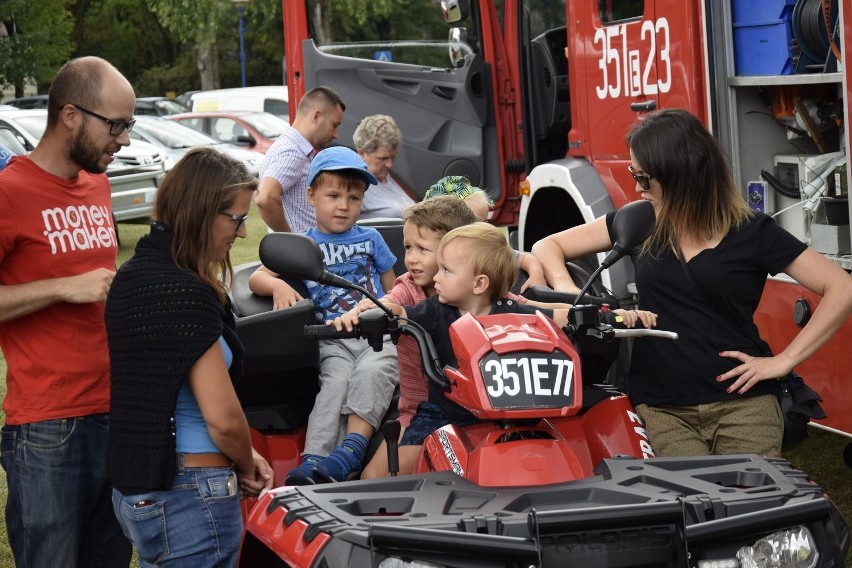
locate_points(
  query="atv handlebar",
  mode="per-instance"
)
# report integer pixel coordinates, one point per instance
(374, 325)
(545, 294)
(328, 332)
(643, 332)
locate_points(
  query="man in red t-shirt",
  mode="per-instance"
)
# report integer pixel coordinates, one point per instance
(57, 260)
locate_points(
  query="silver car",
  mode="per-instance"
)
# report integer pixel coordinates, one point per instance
(134, 176)
(175, 139)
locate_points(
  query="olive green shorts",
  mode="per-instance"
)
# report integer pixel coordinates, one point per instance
(749, 425)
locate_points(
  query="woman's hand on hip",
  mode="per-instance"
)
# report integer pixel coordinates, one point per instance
(753, 370)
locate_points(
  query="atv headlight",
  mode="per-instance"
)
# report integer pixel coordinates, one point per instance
(719, 563)
(790, 548)
(392, 562)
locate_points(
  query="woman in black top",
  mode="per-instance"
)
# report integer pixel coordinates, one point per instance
(713, 391)
(179, 442)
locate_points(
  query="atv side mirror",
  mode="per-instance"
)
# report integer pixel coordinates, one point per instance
(294, 255)
(299, 256)
(631, 225)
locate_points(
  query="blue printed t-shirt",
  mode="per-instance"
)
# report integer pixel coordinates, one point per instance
(360, 255)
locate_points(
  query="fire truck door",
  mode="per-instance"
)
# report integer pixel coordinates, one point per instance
(624, 62)
(443, 112)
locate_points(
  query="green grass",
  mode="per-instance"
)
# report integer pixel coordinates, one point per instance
(821, 456)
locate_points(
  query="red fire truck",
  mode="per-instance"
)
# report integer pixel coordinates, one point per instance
(531, 100)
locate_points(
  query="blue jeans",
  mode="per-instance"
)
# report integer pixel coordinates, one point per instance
(58, 511)
(196, 523)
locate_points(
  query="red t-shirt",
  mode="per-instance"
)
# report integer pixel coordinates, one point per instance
(412, 380)
(50, 227)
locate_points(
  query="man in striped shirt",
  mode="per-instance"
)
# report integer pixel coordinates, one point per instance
(282, 197)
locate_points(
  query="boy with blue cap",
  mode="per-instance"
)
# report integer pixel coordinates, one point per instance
(356, 383)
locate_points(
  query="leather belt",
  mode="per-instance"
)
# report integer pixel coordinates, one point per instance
(214, 459)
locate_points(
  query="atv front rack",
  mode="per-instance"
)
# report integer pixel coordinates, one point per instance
(657, 512)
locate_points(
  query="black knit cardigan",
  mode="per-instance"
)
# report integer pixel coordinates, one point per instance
(159, 320)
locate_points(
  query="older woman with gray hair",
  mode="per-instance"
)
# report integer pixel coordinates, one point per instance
(376, 139)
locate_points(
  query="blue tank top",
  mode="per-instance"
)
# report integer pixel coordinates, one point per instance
(191, 434)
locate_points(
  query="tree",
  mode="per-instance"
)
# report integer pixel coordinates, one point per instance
(125, 33)
(264, 44)
(158, 60)
(37, 41)
(195, 22)
(381, 20)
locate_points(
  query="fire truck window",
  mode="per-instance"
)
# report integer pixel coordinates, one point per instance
(613, 11)
(412, 32)
(544, 15)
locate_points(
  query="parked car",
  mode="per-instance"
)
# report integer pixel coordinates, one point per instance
(270, 98)
(186, 98)
(134, 176)
(158, 106)
(256, 130)
(133, 190)
(10, 141)
(30, 125)
(31, 102)
(175, 139)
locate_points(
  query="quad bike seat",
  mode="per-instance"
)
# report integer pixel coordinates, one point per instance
(279, 380)
(391, 230)
(281, 369)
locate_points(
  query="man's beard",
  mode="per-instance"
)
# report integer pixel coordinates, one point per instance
(85, 155)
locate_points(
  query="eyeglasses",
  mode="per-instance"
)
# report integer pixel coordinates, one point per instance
(644, 180)
(235, 218)
(116, 127)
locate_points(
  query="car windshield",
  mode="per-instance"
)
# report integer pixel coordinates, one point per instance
(269, 125)
(174, 134)
(11, 142)
(170, 107)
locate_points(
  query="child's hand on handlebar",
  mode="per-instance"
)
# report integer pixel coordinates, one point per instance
(630, 317)
(347, 321)
(350, 318)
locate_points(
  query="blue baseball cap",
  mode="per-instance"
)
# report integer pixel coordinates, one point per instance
(340, 158)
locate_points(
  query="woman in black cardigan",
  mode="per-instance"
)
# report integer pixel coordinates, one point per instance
(179, 443)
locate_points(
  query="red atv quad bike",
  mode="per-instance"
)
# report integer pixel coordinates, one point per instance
(559, 472)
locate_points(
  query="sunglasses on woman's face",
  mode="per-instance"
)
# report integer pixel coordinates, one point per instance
(644, 180)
